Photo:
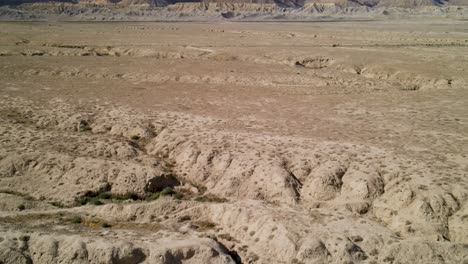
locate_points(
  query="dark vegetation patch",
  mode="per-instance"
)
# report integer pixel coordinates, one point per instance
(99, 198)
(24, 195)
(210, 198)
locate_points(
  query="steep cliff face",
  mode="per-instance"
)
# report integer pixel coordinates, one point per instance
(414, 3)
(158, 3)
(390, 3)
(20, 2)
(202, 10)
(278, 3)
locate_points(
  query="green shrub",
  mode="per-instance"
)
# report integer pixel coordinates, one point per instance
(90, 194)
(21, 207)
(95, 201)
(88, 200)
(153, 196)
(210, 198)
(83, 200)
(105, 196)
(126, 196)
(96, 198)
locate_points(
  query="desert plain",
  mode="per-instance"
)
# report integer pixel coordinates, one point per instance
(300, 142)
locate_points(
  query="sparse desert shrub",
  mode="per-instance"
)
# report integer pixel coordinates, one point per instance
(96, 198)
(83, 125)
(21, 207)
(76, 220)
(106, 225)
(244, 248)
(296, 261)
(105, 195)
(57, 204)
(357, 239)
(253, 257)
(126, 196)
(412, 87)
(226, 237)
(95, 201)
(153, 196)
(185, 218)
(200, 199)
(90, 194)
(89, 200)
(210, 198)
(374, 252)
(167, 191)
(83, 200)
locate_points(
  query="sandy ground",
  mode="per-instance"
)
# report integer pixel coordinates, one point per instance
(339, 142)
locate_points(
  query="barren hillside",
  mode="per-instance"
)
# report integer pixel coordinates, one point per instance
(210, 10)
(234, 142)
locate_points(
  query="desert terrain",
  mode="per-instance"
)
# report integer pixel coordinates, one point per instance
(176, 142)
